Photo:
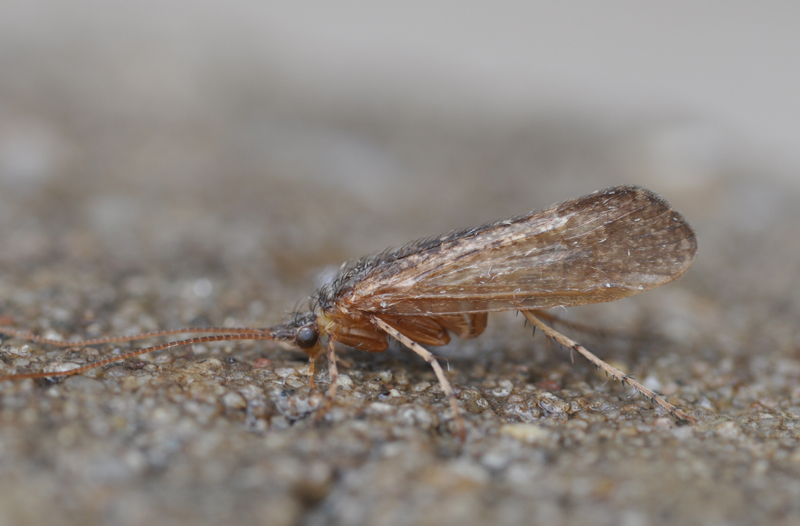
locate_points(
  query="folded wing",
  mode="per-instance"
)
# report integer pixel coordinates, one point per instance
(599, 247)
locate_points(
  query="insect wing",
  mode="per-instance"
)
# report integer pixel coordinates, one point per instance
(599, 247)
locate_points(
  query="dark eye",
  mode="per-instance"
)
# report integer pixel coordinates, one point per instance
(306, 337)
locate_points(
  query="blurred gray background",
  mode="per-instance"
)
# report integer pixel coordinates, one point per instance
(173, 163)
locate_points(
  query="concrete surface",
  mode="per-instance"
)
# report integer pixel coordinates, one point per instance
(146, 187)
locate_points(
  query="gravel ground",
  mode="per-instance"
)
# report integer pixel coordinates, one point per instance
(122, 216)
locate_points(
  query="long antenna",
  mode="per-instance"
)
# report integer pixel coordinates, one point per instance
(238, 334)
(29, 336)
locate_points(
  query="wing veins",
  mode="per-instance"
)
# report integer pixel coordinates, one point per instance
(529, 261)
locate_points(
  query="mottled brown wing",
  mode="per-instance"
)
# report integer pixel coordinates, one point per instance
(599, 247)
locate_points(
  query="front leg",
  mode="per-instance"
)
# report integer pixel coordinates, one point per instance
(333, 371)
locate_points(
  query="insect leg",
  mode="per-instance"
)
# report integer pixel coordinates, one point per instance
(333, 371)
(437, 369)
(608, 368)
(312, 360)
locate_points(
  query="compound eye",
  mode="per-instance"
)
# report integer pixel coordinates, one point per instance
(306, 337)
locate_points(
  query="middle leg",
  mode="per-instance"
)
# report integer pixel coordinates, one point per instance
(437, 368)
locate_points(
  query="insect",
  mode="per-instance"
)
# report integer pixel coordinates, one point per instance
(599, 247)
